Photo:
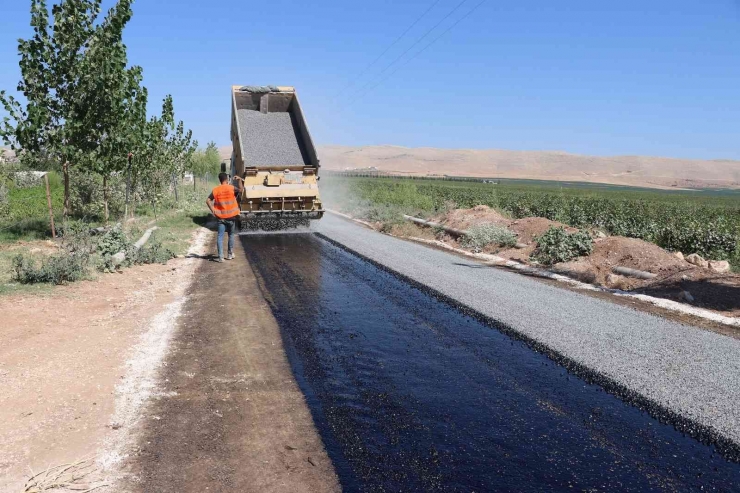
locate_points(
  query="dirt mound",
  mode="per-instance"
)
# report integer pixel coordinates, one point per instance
(636, 254)
(626, 252)
(530, 228)
(466, 218)
(526, 229)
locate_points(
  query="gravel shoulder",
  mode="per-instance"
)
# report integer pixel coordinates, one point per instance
(691, 372)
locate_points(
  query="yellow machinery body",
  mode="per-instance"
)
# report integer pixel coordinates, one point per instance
(274, 190)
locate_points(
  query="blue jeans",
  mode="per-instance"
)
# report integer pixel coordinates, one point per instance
(225, 226)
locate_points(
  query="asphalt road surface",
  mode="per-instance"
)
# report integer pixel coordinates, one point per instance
(687, 376)
(410, 394)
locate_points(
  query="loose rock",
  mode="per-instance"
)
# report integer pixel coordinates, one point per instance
(697, 260)
(679, 255)
(615, 281)
(720, 266)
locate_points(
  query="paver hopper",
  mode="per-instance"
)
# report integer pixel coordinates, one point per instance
(274, 154)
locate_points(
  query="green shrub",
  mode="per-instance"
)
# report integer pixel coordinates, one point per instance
(712, 239)
(107, 264)
(27, 179)
(151, 253)
(76, 238)
(87, 195)
(113, 241)
(557, 245)
(481, 235)
(387, 215)
(56, 269)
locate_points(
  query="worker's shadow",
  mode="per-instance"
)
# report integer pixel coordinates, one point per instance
(206, 221)
(210, 256)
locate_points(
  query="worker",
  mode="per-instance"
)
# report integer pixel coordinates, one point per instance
(224, 204)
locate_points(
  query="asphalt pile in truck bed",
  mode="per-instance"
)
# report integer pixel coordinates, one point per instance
(269, 139)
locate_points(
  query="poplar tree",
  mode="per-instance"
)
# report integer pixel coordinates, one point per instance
(73, 75)
(84, 106)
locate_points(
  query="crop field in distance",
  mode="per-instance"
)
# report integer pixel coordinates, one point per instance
(706, 222)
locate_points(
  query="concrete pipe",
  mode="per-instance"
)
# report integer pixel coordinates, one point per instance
(640, 274)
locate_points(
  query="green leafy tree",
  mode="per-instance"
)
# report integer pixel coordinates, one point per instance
(73, 78)
(121, 110)
(212, 162)
(162, 154)
(205, 162)
(85, 107)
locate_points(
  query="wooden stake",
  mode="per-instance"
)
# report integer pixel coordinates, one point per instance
(51, 210)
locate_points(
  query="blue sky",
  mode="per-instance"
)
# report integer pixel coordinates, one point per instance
(653, 77)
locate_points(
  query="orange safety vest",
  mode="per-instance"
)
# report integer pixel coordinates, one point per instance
(225, 205)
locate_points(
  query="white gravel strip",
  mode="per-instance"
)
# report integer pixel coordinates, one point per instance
(690, 372)
(141, 379)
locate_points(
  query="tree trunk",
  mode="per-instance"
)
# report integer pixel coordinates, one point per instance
(105, 197)
(174, 185)
(51, 210)
(134, 183)
(65, 173)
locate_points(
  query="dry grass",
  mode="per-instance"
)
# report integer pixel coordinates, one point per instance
(65, 477)
(410, 230)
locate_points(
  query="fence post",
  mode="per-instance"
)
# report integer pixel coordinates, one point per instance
(174, 186)
(51, 210)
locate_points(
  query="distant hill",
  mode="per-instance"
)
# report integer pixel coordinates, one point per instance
(644, 171)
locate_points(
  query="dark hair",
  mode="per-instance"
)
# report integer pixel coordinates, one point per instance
(222, 177)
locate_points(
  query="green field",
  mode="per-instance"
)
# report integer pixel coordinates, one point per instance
(25, 215)
(704, 222)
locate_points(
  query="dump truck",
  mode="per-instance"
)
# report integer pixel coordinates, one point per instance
(274, 154)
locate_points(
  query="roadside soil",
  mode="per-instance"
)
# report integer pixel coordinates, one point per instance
(709, 289)
(719, 292)
(233, 417)
(61, 355)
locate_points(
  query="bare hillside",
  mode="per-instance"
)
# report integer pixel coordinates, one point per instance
(542, 165)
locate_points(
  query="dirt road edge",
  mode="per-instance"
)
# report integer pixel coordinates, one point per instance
(142, 369)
